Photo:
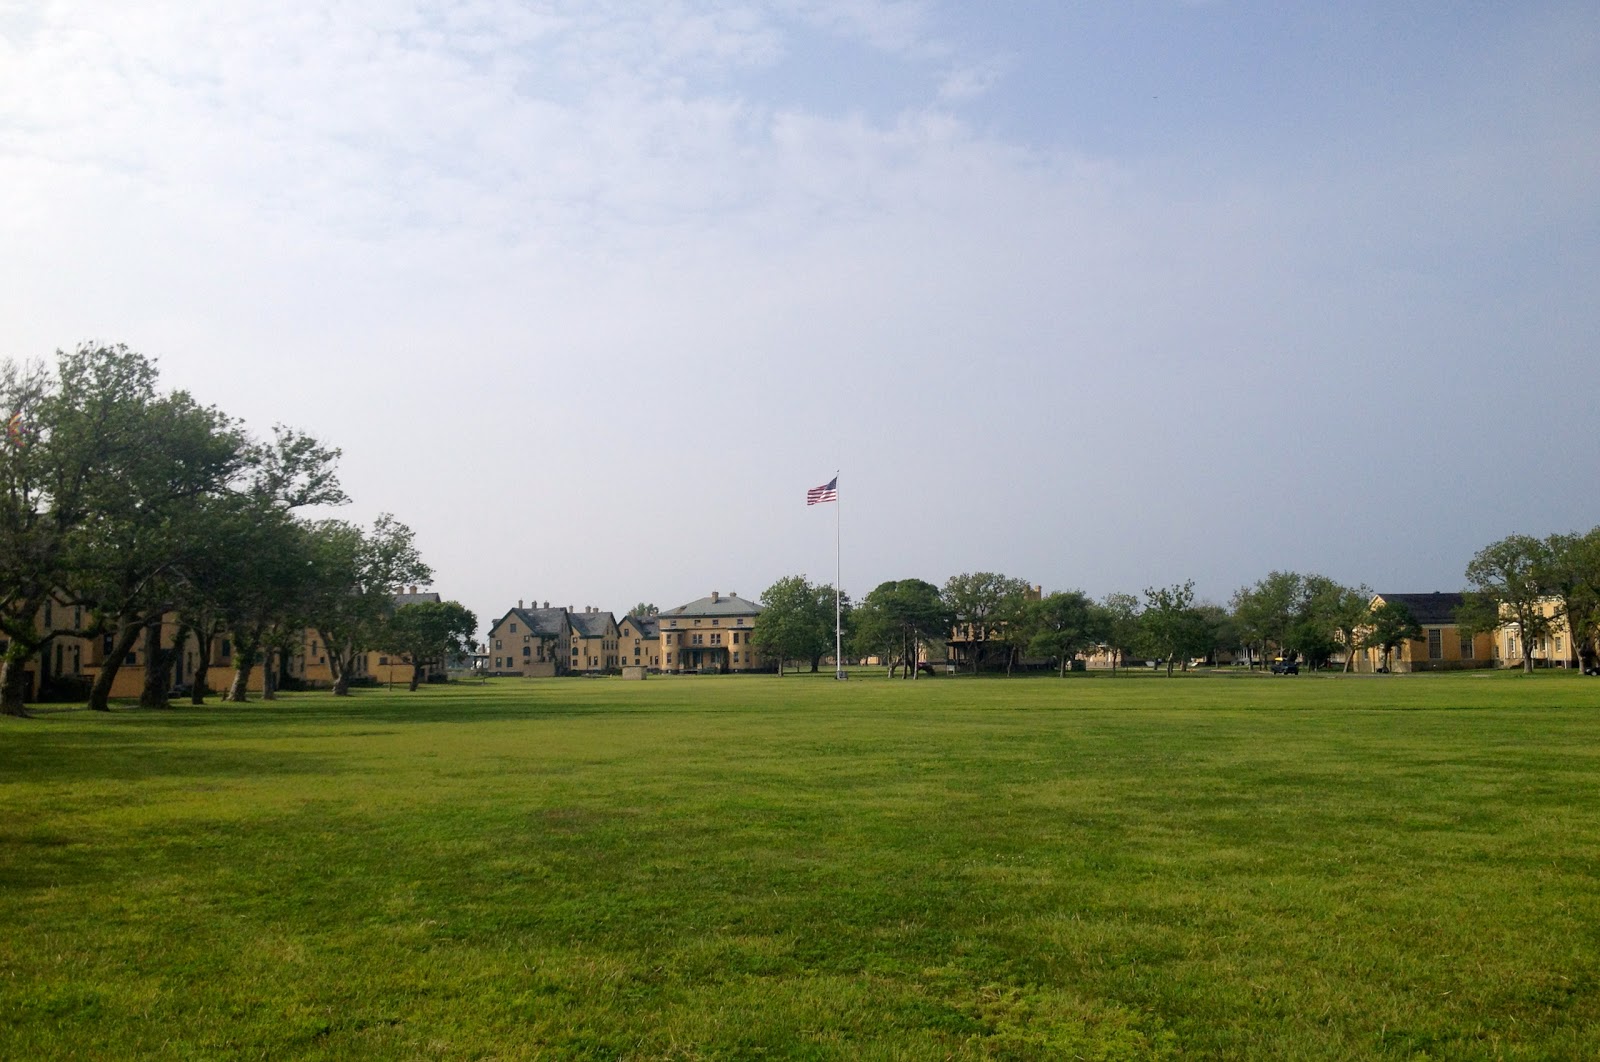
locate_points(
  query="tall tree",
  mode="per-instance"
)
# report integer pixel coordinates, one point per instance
(429, 633)
(75, 440)
(1335, 616)
(897, 619)
(1388, 627)
(978, 603)
(1574, 578)
(357, 575)
(1510, 579)
(1170, 622)
(1268, 612)
(644, 609)
(1121, 624)
(1063, 624)
(793, 625)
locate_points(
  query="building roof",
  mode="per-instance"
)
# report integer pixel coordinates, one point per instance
(415, 599)
(647, 626)
(592, 624)
(717, 604)
(1437, 608)
(545, 622)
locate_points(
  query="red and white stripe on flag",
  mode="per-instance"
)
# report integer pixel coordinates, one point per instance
(828, 492)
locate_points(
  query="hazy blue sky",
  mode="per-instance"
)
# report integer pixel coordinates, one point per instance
(1100, 295)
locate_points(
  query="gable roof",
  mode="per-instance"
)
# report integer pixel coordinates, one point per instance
(415, 599)
(545, 622)
(592, 624)
(1437, 609)
(715, 605)
(647, 626)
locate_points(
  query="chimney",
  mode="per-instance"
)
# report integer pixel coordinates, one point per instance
(714, 596)
(519, 602)
(547, 604)
(413, 590)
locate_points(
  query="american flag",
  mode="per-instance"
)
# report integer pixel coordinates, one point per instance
(828, 492)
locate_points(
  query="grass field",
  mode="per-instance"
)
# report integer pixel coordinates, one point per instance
(1208, 866)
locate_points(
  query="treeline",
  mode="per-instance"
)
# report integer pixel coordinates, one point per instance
(994, 620)
(123, 505)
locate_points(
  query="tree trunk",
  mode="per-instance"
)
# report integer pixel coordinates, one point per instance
(157, 667)
(202, 668)
(244, 661)
(416, 676)
(14, 687)
(128, 629)
(269, 677)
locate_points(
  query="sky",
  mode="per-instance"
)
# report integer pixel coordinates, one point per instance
(1101, 295)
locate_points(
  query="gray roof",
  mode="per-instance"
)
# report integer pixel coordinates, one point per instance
(717, 605)
(649, 626)
(592, 624)
(1436, 608)
(414, 599)
(545, 622)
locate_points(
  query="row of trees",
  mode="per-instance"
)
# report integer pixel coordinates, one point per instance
(122, 505)
(998, 619)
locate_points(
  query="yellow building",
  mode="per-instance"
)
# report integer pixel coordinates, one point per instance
(1554, 648)
(640, 641)
(531, 642)
(1444, 645)
(711, 634)
(595, 640)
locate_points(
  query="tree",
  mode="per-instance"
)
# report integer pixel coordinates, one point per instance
(356, 575)
(1388, 627)
(1510, 580)
(1268, 612)
(127, 564)
(1574, 571)
(896, 619)
(1334, 618)
(1120, 624)
(826, 605)
(793, 625)
(75, 441)
(429, 633)
(977, 602)
(1170, 622)
(1062, 625)
(644, 609)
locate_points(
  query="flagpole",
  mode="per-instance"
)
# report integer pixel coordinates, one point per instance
(838, 635)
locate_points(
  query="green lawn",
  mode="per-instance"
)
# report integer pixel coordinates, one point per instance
(1209, 866)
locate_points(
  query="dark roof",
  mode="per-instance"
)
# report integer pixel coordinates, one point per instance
(414, 599)
(649, 626)
(1436, 608)
(545, 622)
(592, 624)
(716, 605)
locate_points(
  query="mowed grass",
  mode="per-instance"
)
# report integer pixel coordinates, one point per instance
(1246, 867)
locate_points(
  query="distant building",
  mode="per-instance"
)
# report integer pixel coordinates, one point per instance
(532, 642)
(710, 634)
(639, 638)
(1444, 645)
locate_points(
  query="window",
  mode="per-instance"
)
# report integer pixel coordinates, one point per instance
(716, 639)
(382, 660)
(527, 651)
(715, 622)
(1435, 644)
(497, 644)
(497, 663)
(739, 622)
(1466, 647)
(513, 628)
(672, 623)
(1558, 643)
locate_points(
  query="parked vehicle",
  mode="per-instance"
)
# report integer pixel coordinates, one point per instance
(1286, 667)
